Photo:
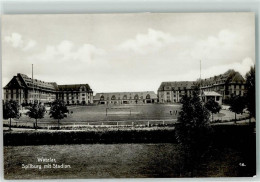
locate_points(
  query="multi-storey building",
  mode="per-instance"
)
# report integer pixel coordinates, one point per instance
(75, 94)
(228, 84)
(26, 90)
(170, 92)
(126, 98)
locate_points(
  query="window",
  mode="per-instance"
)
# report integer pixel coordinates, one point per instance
(217, 98)
(83, 94)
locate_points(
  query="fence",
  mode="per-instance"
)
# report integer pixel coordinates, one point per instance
(103, 124)
(54, 124)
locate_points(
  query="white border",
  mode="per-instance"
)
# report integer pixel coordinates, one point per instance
(133, 6)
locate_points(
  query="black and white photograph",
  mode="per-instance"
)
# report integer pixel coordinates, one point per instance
(128, 95)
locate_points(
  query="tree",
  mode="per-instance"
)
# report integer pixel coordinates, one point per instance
(10, 110)
(192, 131)
(212, 106)
(193, 115)
(58, 110)
(250, 94)
(36, 111)
(237, 105)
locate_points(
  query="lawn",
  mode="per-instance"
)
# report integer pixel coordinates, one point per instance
(123, 114)
(100, 114)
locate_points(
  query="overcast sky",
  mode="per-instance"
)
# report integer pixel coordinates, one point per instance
(126, 52)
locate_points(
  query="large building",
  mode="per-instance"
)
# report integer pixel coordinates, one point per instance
(25, 90)
(170, 92)
(126, 98)
(227, 85)
(75, 94)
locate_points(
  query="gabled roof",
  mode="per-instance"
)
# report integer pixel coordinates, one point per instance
(230, 76)
(23, 81)
(15, 83)
(176, 85)
(73, 87)
(37, 83)
(121, 95)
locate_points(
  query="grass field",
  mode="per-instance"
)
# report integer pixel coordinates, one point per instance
(117, 113)
(124, 114)
(116, 160)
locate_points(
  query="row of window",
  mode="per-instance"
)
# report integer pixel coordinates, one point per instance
(71, 98)
(136, 97)
(72, 94)
(175, 88)
(127, 102)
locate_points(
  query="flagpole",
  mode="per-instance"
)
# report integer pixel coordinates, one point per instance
(200, 73)
(32, 84)
(200, 79)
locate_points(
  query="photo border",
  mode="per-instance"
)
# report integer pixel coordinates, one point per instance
(139, 6)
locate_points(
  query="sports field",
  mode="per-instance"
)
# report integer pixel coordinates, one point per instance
(124, 114)
(108, 114)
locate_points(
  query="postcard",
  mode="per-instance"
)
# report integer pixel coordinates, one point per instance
(138, 95)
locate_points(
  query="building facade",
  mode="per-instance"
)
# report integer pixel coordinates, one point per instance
(126, 98)
(227, 85)
(75, 94)
(26, 90)
(171, 92)
(23, 89)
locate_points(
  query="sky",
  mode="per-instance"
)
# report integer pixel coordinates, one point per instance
(126, 52)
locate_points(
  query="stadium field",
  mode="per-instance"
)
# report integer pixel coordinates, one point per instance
(114, 114)
(120, 113)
